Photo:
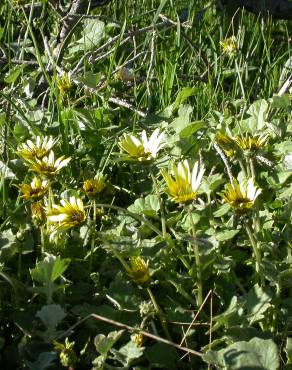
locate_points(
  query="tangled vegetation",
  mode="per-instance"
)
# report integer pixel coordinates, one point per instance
(146, 162)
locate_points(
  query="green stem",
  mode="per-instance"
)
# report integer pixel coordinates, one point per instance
(257, 254)
(43, 238)
(242, 167)
(92, 237)
(197, 259)
(159, 314)
(252, 169)
(162, 213)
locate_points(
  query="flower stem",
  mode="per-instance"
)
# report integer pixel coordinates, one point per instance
(257, 254)
(197, 259)
(92, 237)
(162, 213)
(160, 314)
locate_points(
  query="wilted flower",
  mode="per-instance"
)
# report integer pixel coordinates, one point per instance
(94, 186)
(67, 215)
(226, 143)
(241, 197)
(38, 213)
(36, 150)
(182, 184)
(36, 189)
(48, 166)
(252, 143)
(143, 150)
(63, 82)
(125, 75)
(139, 270)
(229, 45)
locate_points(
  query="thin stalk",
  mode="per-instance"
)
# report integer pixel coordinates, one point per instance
(252, 169)
(162, 213)
(159, 314)
(43, 238)
(239, 79)
(197, 259)
(92, 244)
(242, 167)
(257, 254)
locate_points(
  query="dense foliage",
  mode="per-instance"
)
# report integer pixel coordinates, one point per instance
(146, 163)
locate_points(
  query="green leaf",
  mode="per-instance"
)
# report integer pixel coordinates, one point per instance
(50, 269)
(92, 33)
(9, 245)
(225, 235)
(191, 129)
(222, 210)
(14, 73)
(183, 119)
(182, 96)
(257, 354)
(45, 360)
(148, 206)
(126, 354)
(104, 343)
(230, 317)
(161, 355)
(257, 119)
(288, 350)
(51, 315)
(258, 302)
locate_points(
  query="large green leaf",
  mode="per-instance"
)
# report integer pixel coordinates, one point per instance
(257, 354)
(127, 353)
(92, 33)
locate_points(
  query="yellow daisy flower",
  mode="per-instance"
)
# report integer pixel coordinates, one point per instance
(139, 270)
(69, 214)
(241, 197)
(36, 189)
(36, 150)
(48, 166)
(94, 186)
(182, 184)
(253, 143)
(142, 150)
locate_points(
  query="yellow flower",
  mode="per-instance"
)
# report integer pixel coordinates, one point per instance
(63, 82)
(253, 143)
(37, 150)
(226, 143)
(67, 215)
(182, 184)
(139, 270)
(36, 189)
(241, 197)
(229, 45)
(94, 186)
(143, 150)
(38, 213)
(138, 339)
(48, 166)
